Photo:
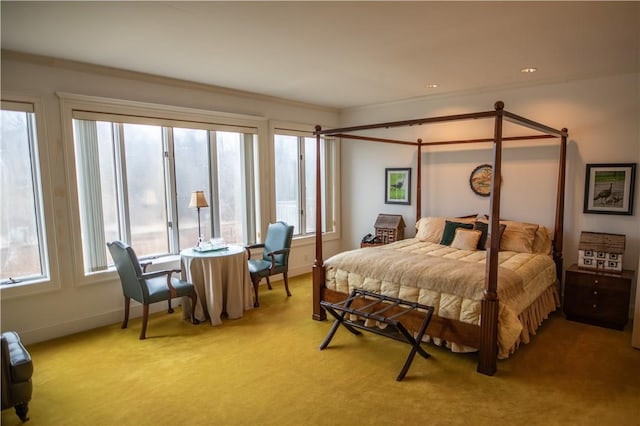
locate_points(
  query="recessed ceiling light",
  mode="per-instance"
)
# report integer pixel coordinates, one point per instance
(432, 86)
(528, 70)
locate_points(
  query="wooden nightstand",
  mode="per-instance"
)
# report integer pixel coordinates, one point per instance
(597, 298)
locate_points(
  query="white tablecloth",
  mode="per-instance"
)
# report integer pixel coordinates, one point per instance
(222, 281)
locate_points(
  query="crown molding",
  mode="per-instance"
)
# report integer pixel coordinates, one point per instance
(150, 78)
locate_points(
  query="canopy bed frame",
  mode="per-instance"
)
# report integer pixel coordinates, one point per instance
(483, 336)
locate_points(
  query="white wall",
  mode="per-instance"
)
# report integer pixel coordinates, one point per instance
(75, 306)
(602, 116)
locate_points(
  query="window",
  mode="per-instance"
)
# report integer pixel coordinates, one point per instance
(295, 180)
(23, 244)
(233, 188)
(135, 176)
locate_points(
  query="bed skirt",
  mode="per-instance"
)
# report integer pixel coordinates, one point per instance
(531, 319)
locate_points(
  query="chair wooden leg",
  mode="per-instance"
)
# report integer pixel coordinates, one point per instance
(269, 283)
(194, 300)
(127, 303)
(145, 319)
(170, 310)
(256, 281)
(286, 284)
(22, 410)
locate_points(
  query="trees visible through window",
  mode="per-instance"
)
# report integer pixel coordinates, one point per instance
(23, 248)
(135, 182)
(295, 180)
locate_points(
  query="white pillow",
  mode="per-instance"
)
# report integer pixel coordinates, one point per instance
(518, 236)
(466, 239)
(542, 241)
(430, 228)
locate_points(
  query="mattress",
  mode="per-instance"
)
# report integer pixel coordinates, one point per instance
(449, 279)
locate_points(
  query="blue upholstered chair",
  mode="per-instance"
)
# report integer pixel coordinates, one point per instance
(275, 257)
(147, 287)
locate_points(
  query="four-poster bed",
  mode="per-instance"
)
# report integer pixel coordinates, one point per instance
(482, 336)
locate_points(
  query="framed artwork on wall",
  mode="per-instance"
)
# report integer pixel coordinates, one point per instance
(397, 188)
(480, 180)
(609, 188)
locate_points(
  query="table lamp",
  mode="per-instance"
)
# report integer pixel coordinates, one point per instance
(198, 201)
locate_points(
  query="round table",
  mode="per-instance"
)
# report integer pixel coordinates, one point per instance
(222, 282)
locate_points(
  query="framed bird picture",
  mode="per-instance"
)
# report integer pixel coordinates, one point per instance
(609, 188)
(397, 189)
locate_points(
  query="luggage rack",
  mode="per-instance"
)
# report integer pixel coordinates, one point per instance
(383, 309)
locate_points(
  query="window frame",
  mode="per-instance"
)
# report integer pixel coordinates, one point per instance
(71, 104)
(50, 281)
(331, 188)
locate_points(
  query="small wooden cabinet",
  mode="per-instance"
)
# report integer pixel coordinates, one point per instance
(389, 228)
(597, 298)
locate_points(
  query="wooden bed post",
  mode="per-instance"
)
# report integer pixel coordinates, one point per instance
(559, 222)
(488, 356)
(318, 266)
(419, 185)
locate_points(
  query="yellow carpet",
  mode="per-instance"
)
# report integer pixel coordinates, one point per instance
(266, 369)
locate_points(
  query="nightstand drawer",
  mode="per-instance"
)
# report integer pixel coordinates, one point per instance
(596, 304)
(591, 280)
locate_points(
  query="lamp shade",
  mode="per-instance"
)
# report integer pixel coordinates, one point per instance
(198, 200)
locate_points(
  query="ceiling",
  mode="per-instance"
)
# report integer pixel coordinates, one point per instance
(337, 54)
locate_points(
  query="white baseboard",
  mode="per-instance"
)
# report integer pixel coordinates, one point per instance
(67, 328)
(54, 331)
(300, 270)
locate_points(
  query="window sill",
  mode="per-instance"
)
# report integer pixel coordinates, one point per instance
(28, 288)
(307, 240)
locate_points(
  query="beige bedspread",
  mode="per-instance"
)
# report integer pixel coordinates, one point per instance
(450, 280)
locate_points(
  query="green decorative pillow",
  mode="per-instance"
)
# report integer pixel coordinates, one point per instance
(450, 231)
(485, 239)
(484, 228)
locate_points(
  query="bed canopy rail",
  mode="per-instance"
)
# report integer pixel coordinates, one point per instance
(433, 143)
(487, 363)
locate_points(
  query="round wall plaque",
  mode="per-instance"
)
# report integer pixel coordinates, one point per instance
(480, 180)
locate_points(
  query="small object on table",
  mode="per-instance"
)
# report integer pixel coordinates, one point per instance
(389, 228)
(214, 244)
(600, 251)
